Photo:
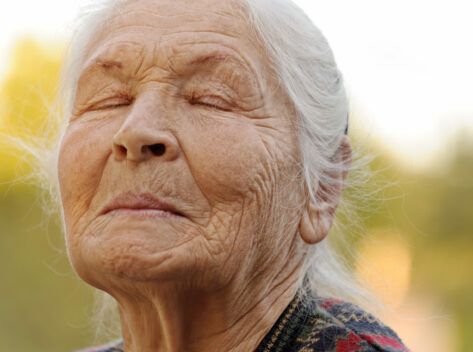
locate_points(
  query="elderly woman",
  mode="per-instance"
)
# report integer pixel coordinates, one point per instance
(203, 159)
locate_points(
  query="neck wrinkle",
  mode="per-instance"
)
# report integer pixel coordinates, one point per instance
(173, 321)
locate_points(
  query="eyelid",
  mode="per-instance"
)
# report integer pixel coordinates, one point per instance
(212, 101)
(111, 103)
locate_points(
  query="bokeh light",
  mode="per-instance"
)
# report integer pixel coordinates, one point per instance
(385, 265)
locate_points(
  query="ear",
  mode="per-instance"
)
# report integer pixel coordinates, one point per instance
(317, 218)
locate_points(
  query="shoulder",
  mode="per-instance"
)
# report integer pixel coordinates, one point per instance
(334, 325)
(326, 324)
(114, 346)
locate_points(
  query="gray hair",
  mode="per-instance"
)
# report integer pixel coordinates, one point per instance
(305, 68)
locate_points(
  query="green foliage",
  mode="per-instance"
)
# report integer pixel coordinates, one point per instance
(433, 210)
(43, 305)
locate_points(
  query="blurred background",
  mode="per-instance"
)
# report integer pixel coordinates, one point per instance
(407, 65)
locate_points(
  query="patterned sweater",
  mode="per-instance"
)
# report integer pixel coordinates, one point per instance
(324, 324)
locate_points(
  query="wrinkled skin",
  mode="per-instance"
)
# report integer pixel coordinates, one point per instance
(176, 102)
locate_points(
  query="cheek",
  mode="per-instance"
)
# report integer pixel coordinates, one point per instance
(82, 156)
(226, 159)
(247, 171)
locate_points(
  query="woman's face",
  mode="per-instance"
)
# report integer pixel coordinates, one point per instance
(179, 150)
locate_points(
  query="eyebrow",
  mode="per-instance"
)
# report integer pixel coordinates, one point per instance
(218, 58)
(214, 57)
(104, 65)
(114, 68)
(108, 64)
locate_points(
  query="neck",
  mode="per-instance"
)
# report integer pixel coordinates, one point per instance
(230, 319)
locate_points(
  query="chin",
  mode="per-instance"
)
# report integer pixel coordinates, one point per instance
(122, 257)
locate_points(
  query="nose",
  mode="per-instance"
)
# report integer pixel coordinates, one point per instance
(136, 141)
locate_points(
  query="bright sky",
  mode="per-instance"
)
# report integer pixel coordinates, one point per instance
(408, 64)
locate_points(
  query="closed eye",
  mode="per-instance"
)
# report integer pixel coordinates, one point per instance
(113, 103)
(211, 101)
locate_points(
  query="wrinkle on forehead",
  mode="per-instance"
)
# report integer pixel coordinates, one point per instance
(156, 31)
(153, 38)
(177, 22)
(118, 59)
(222, 16)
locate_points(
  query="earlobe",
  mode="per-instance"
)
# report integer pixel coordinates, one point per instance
(313, 226)
(317, 218)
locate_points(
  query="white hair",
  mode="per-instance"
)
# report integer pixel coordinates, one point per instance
(305, 68)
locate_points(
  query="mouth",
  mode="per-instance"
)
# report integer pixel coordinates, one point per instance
(144, 204)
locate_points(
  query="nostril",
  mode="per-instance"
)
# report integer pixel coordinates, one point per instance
(121, 150)
(157, 149)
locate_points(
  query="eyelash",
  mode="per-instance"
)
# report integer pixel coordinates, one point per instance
(201, 101)
(193, 100)
(120, 102)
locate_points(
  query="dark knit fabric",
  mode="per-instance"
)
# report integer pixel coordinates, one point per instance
(323, 324)
(327, 324)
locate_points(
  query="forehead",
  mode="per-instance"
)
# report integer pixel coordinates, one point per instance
(158, 26)
(172, 15)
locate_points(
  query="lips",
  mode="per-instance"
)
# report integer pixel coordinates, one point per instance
(139, 202)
